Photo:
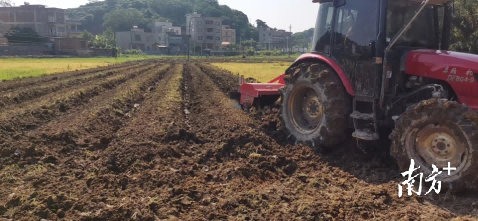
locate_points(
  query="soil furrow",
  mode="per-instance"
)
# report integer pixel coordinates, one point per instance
(66, 94)
(68, 159)
(18, 120)
(94, 126)
(25, 82)
(122, 168)
(225, 80)
(244, 174)
(22, 95)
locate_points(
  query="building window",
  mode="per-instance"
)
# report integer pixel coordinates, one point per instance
(149, 49)
(218, 30)
(210, 38)
(264, 35)
(199, 22)
(199, 37)
(209, 22)
(177, 32)
(210, 30)
(269, 34)
(218, 23)
(148, 38)
(218, 38)
(159, 38)
(232, 39)
(200, 30)
(137, 37)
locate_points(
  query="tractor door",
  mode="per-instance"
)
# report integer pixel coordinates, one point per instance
(353, 44)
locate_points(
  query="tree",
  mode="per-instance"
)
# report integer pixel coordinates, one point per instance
(465, 27)
(233, 47)
(105, 40)
(86, 35)
(6, 3)
(249, 43)
(298, 39)
(261, 24)
(23, 35)
(172, 10)
(250, 32)
(98, 15)
(124, 19)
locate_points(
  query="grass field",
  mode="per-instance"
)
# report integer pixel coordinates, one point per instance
(263, 72)
(11, 68)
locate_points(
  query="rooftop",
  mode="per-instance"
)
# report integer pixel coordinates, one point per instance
(27, 5)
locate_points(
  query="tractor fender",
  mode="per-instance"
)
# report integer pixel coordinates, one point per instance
(314, 57)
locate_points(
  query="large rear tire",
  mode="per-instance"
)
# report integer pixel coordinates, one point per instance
(439, 131)
(315, 105)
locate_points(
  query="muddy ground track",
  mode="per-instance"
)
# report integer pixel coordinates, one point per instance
(163, 142)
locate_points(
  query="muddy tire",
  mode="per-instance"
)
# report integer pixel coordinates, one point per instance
(315, 105)
(439, 131)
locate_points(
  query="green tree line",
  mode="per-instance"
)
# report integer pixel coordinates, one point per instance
(464, 36)
(122, 15)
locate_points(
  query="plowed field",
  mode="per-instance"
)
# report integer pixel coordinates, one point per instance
(159, 140)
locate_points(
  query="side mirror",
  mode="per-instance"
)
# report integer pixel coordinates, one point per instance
(338, 3)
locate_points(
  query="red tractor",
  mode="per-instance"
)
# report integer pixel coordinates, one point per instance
(379, 64)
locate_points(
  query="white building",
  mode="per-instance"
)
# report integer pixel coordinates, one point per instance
(161, 30)
(228, 35)
(274, 39)
(135, 39)
(205, 31)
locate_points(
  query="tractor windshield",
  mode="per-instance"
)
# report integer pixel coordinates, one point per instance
(323, 28)
(354, 27)
(424, 30)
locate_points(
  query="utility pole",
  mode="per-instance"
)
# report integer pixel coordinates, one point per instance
(240, 45)
(189, 38)
(287, 38)
(289, 49)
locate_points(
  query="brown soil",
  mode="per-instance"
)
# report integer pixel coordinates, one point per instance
(161, 141)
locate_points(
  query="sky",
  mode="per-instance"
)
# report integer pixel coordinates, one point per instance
(280, 14)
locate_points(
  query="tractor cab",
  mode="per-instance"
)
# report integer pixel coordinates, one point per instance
(369, 40)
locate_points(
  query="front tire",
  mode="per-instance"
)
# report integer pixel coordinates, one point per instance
(315, 105)
(439, 131)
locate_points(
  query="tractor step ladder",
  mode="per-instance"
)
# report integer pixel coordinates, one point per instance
(365, 118)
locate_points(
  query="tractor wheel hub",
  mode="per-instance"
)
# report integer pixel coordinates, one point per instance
(437, 145)
(306, 109)
(313, 108)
